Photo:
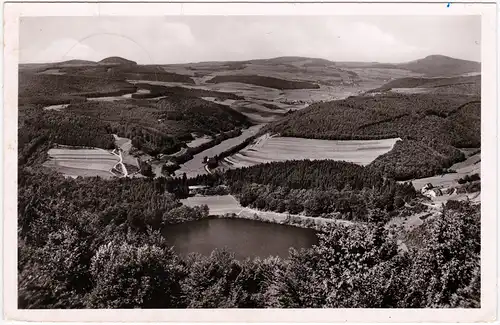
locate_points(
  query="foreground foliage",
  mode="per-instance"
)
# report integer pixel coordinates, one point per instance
(93, 243)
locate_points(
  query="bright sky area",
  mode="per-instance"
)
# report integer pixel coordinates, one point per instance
(183, 39)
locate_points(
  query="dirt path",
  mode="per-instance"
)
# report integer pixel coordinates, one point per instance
(119, 155)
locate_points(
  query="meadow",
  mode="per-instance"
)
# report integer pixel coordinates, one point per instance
(82, 162)
(217, 205)
(267, 149)
(470, 166)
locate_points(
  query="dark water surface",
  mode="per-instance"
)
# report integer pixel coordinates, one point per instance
(246, 238)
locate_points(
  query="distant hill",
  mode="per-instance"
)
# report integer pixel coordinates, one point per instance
(76, 62)
(117, 60)
(440, 65)
(462, 85)
(430, 66)
(295, 60)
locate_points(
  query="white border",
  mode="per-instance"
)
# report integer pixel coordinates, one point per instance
(487, 312)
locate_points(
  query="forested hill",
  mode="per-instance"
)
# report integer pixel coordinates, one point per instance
(162, 126)
(437, 124)
(464, 85)
(326, 188)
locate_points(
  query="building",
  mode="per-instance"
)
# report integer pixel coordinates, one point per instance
(434, 192)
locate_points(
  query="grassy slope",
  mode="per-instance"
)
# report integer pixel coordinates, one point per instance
(459, 85)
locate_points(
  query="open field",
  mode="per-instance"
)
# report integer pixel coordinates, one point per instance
(217, 205)
(289, 98)
(82, 162)
(254, 109)
(266, 149)
(198, 141)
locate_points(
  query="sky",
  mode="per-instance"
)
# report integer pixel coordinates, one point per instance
(184, 39)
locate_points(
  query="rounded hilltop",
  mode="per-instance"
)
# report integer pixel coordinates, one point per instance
(117, 60)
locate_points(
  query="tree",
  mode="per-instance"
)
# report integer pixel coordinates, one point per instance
(152, 277)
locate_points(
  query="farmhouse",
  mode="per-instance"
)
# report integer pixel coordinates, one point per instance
(426, 187)
(434, 192)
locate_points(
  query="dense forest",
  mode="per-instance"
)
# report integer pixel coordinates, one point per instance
(130, 71)
(38, 128)
(269, 82)
(324, 188)
(435, 124)
(91, 243)
(63, 89)
(157, 90)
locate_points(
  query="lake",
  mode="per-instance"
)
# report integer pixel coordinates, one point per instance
(246, 238)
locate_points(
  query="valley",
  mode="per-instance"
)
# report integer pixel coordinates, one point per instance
(340, 169)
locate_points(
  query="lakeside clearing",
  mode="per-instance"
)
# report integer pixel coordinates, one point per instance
(222, 205)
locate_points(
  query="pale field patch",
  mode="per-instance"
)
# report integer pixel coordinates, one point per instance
(268, 149)
(81, 162)
(223, 204)
(414, 90)
(199, 141)
(217, 204)
(58, 108)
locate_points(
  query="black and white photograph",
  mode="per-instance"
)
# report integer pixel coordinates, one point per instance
(236, 162)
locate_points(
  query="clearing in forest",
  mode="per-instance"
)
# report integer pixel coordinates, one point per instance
(224, 204)
(268, 149)
(82, 162)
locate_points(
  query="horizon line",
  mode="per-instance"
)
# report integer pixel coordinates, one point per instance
(255, 59)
